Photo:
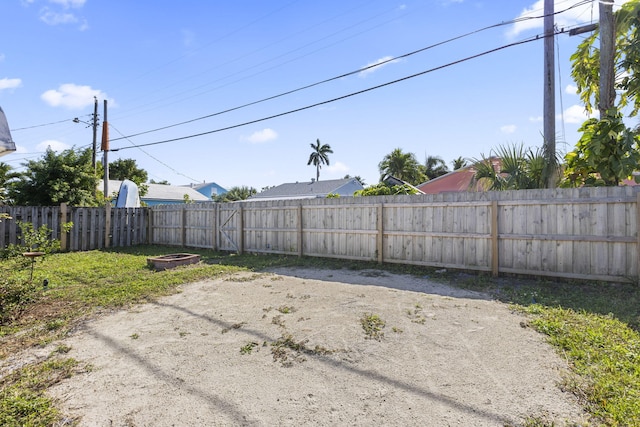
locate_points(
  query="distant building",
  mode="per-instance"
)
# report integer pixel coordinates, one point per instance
(310, 190)
(208, 189)
(160, 194)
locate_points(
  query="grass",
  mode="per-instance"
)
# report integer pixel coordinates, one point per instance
(594, 325)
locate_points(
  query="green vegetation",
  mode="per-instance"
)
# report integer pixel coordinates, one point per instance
(594, 325)
(372, 325)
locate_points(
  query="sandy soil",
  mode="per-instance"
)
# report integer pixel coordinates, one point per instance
(447, 357)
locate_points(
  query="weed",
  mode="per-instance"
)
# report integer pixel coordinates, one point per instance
(372, 325)
(134, 336)
(248, 348)
(62, 349)
(285, 309)
(397, 330)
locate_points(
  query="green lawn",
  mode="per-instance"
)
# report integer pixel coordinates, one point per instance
(593, 325)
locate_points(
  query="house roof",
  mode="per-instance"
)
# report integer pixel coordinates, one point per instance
(161, 192)
(307, 190)
(456, 181)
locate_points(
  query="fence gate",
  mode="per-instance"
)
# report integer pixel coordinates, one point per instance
(229, 236)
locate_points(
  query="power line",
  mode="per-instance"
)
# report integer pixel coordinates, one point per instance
(350, 73)
(340, 97)
(154, 158)
(45, 124)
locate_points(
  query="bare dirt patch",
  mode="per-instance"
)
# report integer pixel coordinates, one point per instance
(292, 347)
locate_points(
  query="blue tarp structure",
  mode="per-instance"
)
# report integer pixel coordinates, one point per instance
(6, 143)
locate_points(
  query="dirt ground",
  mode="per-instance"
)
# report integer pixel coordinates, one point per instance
(289, 348)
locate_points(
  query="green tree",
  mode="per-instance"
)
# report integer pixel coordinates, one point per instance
(67, 177)
(122, 169)
(403, 166)
(6, 175)
(511, 168)
(435, 167)
(163, 182)
(236, 194)
(459, 163)
(319, 156)
(608, 151)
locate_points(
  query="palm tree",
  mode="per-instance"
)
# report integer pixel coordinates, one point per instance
(511, 168)
(435, 167)
(319, 156)
(459, 163)
(403, 166)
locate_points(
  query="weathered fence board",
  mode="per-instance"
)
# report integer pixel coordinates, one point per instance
(128, 226)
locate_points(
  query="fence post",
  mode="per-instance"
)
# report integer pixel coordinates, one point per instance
(64, 237)
(241, 230)
(380, 234)
(107, 224)
(300, 231)
(183, 227)
(149, 212)
(495, 256)
(214, 227)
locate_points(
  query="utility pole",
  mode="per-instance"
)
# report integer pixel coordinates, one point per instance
(105, 149)
(549, 104)
(95, 132)
(607, 54)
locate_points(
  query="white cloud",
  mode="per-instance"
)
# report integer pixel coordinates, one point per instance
(50, 17)
(575, 16)
(575, 114)
(10, 83)
(264, 135)
(536, 119)
(69, 3)
(571, 89)
(55, 145)
(73, 96)
(375, 67)
(508, 129)
(338, 168)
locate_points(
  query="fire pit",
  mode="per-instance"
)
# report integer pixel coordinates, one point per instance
(165, 262)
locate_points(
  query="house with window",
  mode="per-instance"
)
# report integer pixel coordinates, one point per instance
(208, 189)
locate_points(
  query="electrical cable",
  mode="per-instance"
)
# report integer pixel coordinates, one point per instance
(396, 58)
(45, 124)
(340, 97)
(154, 158)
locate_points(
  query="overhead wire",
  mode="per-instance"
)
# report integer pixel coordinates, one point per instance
(360, 70)
(153, 157)
(468, 58)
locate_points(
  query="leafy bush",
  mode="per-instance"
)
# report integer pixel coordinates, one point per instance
(14, 296)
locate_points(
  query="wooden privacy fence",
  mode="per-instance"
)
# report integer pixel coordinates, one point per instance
(587, 233)
(93, 228)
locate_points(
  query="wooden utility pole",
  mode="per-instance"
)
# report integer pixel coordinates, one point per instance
(105, 149)
(95, 132)
(607, 55)
(549, 105)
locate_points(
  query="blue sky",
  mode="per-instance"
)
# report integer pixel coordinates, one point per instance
(164, 62)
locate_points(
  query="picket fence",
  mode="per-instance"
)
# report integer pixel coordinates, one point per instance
(587, 233)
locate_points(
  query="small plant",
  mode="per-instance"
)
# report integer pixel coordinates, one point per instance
(285, 309)
(372, 325)
(134, 336)
(277, 320)
(248, 348)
